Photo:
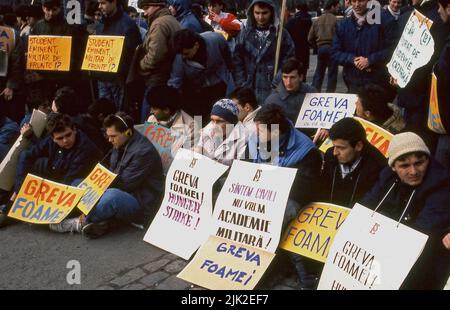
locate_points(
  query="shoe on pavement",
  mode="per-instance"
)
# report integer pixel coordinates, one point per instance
(68, 225)
(95, 230)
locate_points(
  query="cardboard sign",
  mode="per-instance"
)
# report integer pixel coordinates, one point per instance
(51, 53)
(377, 136)
(323, 110)
(414, 50)
(8, 165)
(183, 221)
(103, 53)
(221, 264)
(163, 139)
(96, 183)
(251, 205)
(434, 116)
(371, 252)
(7, 39)
(41, 201)
(312, 232)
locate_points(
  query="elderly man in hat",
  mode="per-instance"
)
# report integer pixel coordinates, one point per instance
(415, 190)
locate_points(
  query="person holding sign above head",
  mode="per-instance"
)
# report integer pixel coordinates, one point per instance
(224, 139)
(362, 46)
(373, 105)
(165, 110)
(415, 190)
(64, 156)
(116, 22)
(351, 166)
(135, 194)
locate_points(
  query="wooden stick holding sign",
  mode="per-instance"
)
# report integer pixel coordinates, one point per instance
(280, 37)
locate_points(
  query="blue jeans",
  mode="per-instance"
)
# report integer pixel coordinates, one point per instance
(325, 61)
(114, 203)
(113, 90)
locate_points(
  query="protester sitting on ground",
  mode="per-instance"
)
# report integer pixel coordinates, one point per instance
(66, 102)
(373, 105)
(287, 147)
(414, 190)
(135, 194)
(351, 166)
(224, 139)
(65, 155)
(248, 107)
(166, 111)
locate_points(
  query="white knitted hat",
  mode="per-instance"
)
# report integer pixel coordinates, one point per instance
(404, 143)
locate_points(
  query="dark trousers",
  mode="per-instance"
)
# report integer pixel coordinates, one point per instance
(324, 62)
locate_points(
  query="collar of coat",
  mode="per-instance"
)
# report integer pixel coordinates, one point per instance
(284, 94)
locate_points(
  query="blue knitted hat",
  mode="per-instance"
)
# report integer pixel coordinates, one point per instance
(226, 109)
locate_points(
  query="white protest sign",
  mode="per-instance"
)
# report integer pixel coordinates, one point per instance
(251, 204)
(8, 165)
(371, 251)
(183, 221)
(414, 50)
(323, 110)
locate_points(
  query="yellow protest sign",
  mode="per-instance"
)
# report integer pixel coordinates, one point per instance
(50, 53)
(222, 264)
(41, 201)
(434, 116)
(377, 136)
(96, 183)
(312, 232)
(7, 39)
(103, 53)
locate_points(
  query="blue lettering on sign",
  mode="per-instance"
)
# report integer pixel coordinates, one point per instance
(27, 209)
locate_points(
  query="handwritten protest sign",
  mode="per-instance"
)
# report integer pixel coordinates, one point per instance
(163, 139)
(371, 251)
(434, 116)
(414, 50)
(312, 232)
(323, 110)
(96, 183)
(8, 165)
(103, 53)
(7, 39)
(377, 136)
(41, 201)
(183, 221)
(50, 53)
(251, 204)
(221, 264)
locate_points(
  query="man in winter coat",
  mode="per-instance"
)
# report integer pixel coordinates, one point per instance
(351, 167)
(157, 57)
(362, 47)
(415, 191)
(202, 70)
(116, 22)
(135, 194)
(254, 55)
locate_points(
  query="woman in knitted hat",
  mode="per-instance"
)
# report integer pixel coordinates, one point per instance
(415, 190)
(225, 137)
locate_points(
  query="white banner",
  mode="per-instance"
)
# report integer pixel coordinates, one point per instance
(371, 252)
(323, 110)
(414, 50)
(251, 204)
(183, 221)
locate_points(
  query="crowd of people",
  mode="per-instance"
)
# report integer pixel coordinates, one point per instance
(182, 60)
